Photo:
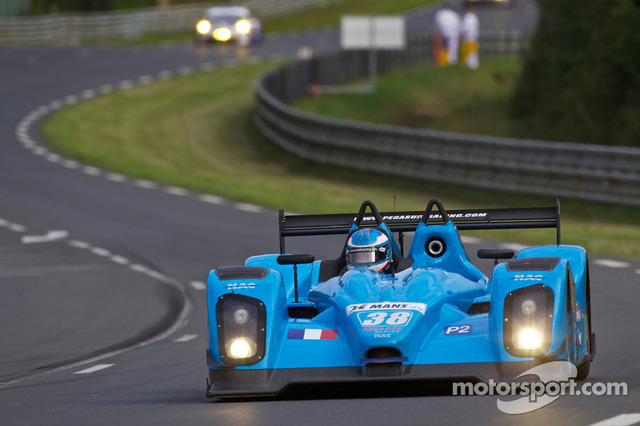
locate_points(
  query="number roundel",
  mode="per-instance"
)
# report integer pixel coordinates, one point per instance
(396, 318)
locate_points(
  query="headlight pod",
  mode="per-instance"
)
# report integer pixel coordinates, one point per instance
(203, 27)
(528, 314)
(241, 322)
(243, 26)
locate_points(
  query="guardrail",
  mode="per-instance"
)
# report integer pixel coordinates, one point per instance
(76, 28)
(567, 170)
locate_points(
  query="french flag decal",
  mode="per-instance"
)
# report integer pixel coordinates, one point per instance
(312, 334)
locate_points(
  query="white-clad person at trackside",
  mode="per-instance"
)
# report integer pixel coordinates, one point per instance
(469, 32)
(446, 36)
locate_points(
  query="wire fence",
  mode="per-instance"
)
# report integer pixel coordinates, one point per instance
(567, 170)
(77, 28)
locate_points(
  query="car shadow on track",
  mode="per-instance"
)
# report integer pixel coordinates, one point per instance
(432, 388)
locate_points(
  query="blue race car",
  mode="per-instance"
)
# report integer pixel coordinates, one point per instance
(373, 315)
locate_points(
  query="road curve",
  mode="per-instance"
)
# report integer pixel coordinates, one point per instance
(101, 276)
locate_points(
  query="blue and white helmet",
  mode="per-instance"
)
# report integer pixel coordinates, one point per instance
(368, 248)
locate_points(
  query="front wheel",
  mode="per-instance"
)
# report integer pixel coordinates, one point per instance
(584, 364)
(583, 367)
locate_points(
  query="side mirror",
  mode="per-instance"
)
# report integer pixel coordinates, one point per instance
(496, 254)
(295, 260)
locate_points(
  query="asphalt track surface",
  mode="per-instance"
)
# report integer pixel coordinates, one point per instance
(102, 311)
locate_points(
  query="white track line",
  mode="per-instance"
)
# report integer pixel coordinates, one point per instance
(211, 199)
(181, 192)
(185, 338)
(116, 177)
(620, 420)
(610, 263)
(48, 237)
(198, 285)
(93, 369)
(146, 184)
(249, 208)
(90, 170)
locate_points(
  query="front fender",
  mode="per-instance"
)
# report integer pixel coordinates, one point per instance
(528, 276)
(258, 283)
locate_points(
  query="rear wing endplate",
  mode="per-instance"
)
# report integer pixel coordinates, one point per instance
(407, 221)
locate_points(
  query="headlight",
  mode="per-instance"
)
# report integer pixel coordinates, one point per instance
(243, 26)
(528, 339)
(528, 314)
(241, 323)
(203, 27)
(222, 34)
(241, 348)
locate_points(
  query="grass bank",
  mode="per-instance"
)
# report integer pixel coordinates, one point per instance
(196, 132)
(329, 14)
(455, 99)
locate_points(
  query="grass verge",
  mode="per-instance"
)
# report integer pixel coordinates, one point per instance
(329, 14)
(196, 132)
(455, 99)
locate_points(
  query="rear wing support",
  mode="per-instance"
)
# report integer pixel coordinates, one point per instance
(408, 221)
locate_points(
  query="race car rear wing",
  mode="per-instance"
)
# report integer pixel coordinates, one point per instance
(407, 221)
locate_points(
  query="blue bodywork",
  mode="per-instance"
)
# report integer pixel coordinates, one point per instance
(437, 316)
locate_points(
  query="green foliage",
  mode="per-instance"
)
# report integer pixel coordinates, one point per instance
(580, 80)
(52, 6)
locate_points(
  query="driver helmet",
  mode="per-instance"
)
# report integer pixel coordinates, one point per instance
(368, 248)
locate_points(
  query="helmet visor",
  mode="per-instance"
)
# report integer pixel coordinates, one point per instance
(366, 255)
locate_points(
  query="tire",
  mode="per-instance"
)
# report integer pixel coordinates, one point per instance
(584, 365)
(583, 368)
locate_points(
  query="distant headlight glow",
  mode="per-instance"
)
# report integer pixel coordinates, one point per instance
(222, 34)
(243, 26)
(203, 27)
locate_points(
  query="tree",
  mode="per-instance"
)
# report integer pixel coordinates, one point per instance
(580, 80)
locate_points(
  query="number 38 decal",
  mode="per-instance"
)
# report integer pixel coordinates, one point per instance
(396, 318)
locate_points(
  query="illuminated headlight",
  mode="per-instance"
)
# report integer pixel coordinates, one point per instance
(528, 339)
(203, 27)
(528, 314)
(243, 26)
(241, 348)
(222, 34)
(241, 323)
